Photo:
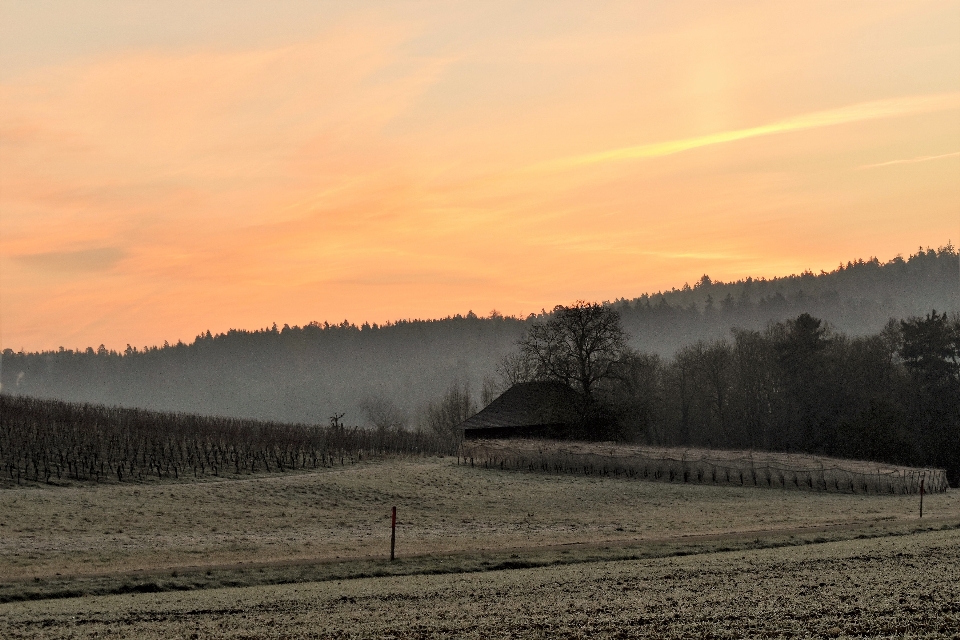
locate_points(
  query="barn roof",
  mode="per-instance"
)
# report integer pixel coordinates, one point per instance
(529, 404)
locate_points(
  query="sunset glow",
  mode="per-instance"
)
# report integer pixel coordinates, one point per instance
(168, 169)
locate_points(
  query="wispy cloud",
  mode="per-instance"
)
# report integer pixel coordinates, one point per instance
(85, 260)
(414, 161)
(955, 154)
(873, 110)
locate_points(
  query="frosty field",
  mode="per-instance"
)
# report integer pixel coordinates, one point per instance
(486, 552)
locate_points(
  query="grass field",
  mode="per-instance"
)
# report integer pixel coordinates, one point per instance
(333, 524)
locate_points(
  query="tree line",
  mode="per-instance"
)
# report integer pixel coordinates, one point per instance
(304, 373)
(797, 385)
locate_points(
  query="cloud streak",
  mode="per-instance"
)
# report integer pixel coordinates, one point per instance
(374, 163)
(889, 108)
(84, 260)
(955, 154)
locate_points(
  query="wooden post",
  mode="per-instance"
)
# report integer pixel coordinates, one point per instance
(393, 532)
(921, 495)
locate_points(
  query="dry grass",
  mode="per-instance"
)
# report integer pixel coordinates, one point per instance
(65, 535)
(907, 586)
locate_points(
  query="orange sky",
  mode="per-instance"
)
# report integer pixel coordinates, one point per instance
(167, 168)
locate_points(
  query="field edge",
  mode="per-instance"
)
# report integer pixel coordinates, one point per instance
(191, 578)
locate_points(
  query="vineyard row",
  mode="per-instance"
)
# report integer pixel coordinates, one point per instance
(43, 440)
(745, 472)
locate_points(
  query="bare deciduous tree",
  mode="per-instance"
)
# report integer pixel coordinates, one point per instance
(444, 416)
(579, 345)
(515, 368)
(384, 414)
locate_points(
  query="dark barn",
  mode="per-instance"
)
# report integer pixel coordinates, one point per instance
(527, 410)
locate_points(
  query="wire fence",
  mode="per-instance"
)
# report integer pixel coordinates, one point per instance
(704, 466)
(47, 440)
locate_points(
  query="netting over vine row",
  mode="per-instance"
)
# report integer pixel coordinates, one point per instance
(704, 466)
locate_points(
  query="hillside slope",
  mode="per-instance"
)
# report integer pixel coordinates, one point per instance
(305, 374)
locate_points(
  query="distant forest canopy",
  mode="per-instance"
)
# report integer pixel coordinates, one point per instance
(308, 373)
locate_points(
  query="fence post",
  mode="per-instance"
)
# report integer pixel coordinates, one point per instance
(393, 532)
(921, 494)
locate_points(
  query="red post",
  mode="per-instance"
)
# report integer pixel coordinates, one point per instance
(921, 496)
(393, 532)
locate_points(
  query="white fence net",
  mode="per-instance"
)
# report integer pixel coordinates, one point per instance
(705, 466)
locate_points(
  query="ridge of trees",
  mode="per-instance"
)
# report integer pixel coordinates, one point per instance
(305, 373)
(897, 275)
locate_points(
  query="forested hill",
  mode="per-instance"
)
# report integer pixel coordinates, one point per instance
(857, 298)
(305, 374)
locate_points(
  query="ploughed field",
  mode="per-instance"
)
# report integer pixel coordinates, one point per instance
(491, 552)
(898, 586)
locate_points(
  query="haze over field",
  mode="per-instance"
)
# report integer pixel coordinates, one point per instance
(473, 319)
(172, 169)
